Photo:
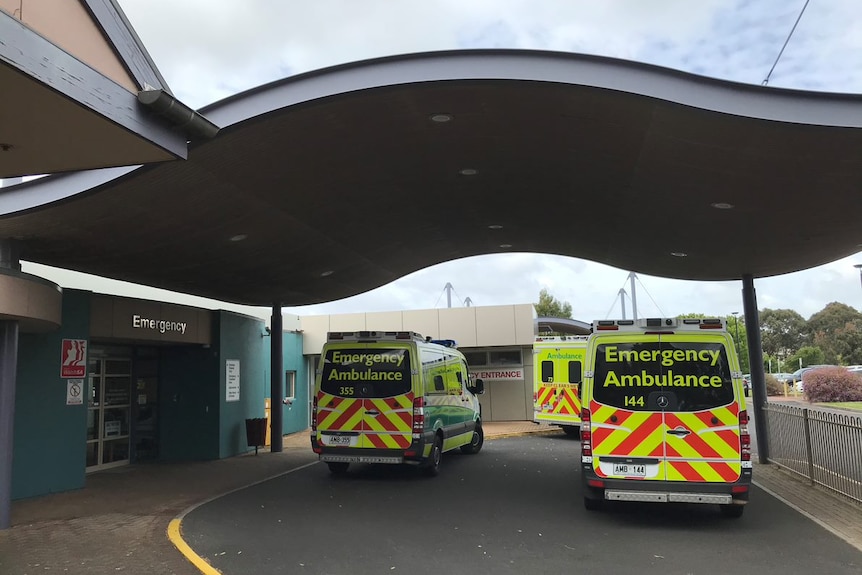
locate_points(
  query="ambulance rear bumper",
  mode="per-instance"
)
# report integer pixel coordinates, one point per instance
(667, 491)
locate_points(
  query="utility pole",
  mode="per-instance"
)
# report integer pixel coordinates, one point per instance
(448, 287)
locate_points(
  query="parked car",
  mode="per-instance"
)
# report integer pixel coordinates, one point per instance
(799, 373)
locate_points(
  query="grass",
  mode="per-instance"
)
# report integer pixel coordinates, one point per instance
(851, 405)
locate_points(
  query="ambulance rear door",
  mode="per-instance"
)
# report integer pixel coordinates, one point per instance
(664, 407)
(558, 367)
(365, 398)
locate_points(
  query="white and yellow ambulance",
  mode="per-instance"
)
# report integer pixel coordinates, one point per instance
(558, 368)
(393, 397)
(664, 416)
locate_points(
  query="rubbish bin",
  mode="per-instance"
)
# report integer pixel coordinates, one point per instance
(255, 432)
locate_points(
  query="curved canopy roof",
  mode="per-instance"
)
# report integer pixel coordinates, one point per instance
(335, 182)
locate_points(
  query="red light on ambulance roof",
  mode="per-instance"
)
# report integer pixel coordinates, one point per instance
(402, 335)
(336, 335)
(657, 332)
(710, 326)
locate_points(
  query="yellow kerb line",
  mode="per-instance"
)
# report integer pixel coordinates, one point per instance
(177, 539)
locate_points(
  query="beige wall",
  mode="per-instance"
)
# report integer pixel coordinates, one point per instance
(505, 326)
(67, 25)
(502, 325)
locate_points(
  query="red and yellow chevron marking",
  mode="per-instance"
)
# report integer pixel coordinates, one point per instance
(702, 455)
(563, 401)
(698, 456)
(393, 427)
(338, 413)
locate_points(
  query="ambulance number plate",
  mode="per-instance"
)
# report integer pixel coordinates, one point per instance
(340, 440)
(629, 470)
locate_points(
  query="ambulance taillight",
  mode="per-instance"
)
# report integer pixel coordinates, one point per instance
(418, 417)
(744, 437)
(586, 434)
(314, 415)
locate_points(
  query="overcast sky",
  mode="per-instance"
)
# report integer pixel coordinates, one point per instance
(210, 49)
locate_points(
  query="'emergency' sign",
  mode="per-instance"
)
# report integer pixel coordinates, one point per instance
(73, 358)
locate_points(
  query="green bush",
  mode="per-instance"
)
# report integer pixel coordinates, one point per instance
(828, 384)
(773, 386)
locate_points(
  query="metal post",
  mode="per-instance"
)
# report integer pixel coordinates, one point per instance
(632, 277)
(623, 302)
(8, 367)
(809, 455)
(276, 393)
(755, 363)
(859, 267)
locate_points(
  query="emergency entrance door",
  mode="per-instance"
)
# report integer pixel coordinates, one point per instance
(109, 387)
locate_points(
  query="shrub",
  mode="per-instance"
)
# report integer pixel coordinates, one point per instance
(773, 386)
(828, 384)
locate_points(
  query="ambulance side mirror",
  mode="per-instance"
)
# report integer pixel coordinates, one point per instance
(478, 387)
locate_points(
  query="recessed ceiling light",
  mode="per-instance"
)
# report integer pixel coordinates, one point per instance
(722, 205)
(505, 245)
(326, 273)
(495, 227)
(238, 237)
(469, 172)
(678, 254)
(441, 118)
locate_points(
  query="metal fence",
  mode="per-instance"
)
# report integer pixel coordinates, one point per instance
(824, 446)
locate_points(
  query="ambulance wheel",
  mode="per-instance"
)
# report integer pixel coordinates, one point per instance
(476, 442)
(338, 467)
(733, 511)
(432, 464)
(592, 503)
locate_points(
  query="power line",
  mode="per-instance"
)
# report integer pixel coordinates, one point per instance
(658, 307)
(798, 18)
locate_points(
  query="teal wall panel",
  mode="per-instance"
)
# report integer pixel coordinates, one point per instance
(49, 437)
(188, 403)
(241, 338)
(296, 416)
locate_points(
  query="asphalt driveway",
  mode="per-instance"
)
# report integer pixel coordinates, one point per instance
(514, 508)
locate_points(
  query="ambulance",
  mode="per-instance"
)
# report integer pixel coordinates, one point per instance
(393, 397)
(558, 368)
(664, 416)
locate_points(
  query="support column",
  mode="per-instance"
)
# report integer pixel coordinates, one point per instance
(8, 368)
(755, 364)
(276, 392)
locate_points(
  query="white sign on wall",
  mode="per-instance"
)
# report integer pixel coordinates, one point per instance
(231, 380)
(499, 374)
(74, 392)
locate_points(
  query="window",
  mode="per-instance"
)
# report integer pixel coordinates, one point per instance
(493, 357)
(505, 357)
(290, 384)
(349, 372)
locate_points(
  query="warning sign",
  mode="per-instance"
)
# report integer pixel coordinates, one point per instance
(73, 358)
(74, 392)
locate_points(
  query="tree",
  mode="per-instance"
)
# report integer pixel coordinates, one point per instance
(837, 330)
(549, 306)
(809, 354)
(781, 331)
